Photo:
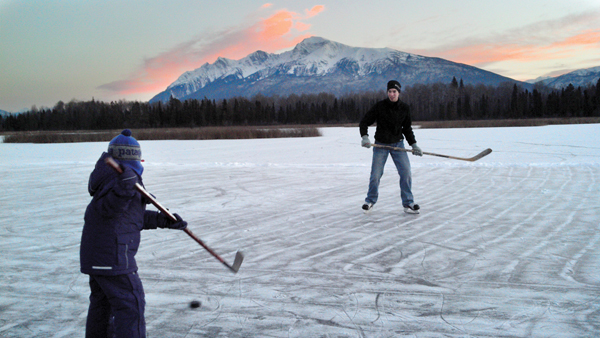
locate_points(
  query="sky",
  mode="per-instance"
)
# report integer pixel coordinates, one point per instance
(63, 50)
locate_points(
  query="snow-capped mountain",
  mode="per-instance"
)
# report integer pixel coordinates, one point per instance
(318, 65)
(4, 113)
(578, 78)
(541, 79)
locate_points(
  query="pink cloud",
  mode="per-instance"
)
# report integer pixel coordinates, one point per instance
(301, 26)
(282, 29)
(315, 10)
(481, 54)
(486, 53)
(589, 39)
(546, 40)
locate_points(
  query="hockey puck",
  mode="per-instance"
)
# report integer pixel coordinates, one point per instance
(195, 304)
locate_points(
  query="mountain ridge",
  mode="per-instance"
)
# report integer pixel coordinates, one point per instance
(578, 78)
(318, 65)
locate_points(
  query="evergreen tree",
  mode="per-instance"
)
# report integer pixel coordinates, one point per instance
(454, 83)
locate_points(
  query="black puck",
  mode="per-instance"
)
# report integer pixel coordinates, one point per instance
(195, 304)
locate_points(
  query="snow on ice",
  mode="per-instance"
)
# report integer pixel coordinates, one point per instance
(505, 246)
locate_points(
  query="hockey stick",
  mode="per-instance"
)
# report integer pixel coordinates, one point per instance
(239, 257)
(470, 159)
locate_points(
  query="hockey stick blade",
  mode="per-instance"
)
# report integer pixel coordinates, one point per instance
(237, 262)
(481, 154)
(470, 159)
(238, 256)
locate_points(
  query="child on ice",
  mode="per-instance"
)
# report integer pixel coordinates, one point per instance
(110, 239)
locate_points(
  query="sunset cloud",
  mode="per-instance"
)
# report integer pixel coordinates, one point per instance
(486, 53)
(590, 39)
(545, 40)
(315, 10)
(282, 29)
(301, 26)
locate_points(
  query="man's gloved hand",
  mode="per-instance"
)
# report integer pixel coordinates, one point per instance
(180, 224)
(416, 150)
(365, 142)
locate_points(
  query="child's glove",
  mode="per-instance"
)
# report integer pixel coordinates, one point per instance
(180, 224)
(126, 182)
(164, 221)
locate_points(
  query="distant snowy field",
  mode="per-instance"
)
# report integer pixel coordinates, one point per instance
(506, 246)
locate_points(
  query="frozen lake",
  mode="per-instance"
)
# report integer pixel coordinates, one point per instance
(507, 246)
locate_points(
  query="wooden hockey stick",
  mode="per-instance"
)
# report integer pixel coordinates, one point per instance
(470, 159)
(239, 257)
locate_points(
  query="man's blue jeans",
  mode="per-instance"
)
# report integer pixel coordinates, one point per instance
(402, 163)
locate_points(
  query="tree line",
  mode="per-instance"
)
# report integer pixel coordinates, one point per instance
(433, 102)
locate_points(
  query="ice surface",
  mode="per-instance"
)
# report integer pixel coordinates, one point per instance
(505, 246)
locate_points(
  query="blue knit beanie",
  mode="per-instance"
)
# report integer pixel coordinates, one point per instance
(126, 150)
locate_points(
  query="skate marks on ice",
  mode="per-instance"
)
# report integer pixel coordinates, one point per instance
(493, 257)
(500, 249)
(522, 251)
(41, 219)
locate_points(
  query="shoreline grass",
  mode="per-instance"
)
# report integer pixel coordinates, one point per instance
(252, 132)
(207, 133)
(505, 123)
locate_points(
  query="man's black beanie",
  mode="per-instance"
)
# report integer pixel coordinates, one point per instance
(394, 84)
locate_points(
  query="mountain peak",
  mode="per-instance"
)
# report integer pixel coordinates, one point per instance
(580, 77)
(586, 71)
(312, 44)
(314, 41)
(258, 56)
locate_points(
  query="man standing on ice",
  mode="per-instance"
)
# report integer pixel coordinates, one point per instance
(393, 125)
(110, 239)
